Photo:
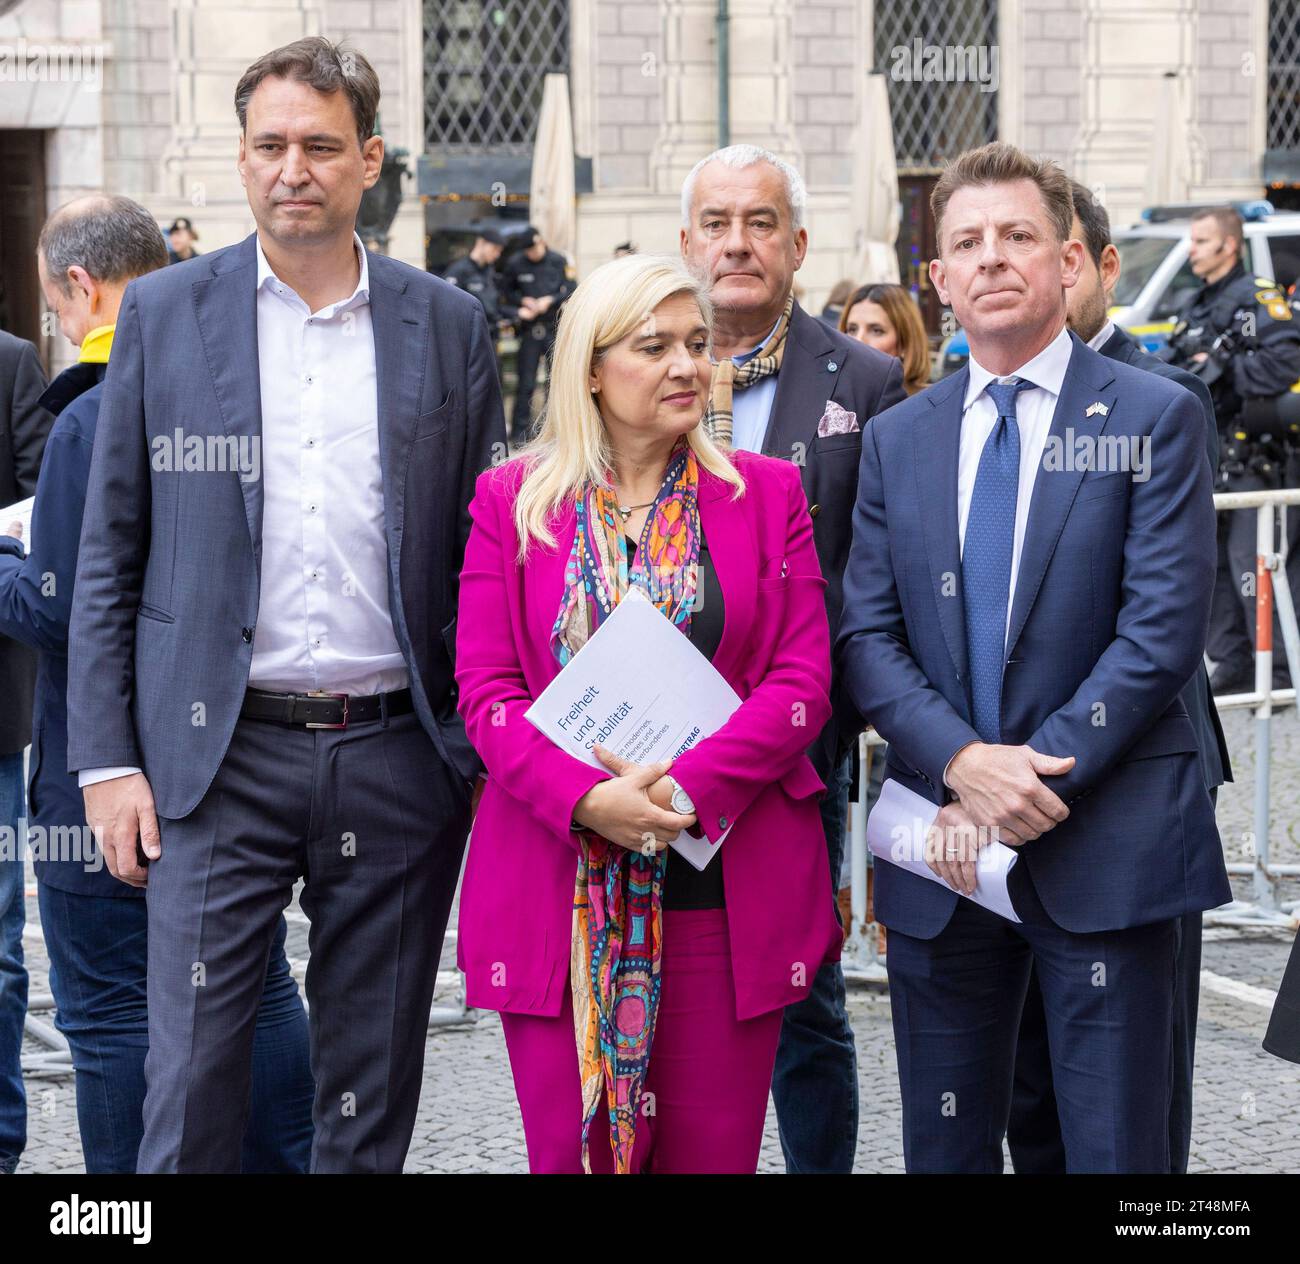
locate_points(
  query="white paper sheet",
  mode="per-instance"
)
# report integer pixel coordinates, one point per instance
(896, 832)
(641, 689)
(20, 512)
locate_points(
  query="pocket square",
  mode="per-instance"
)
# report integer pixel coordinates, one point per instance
(837, 421)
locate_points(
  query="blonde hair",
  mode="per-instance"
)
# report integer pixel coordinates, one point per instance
(571, 451)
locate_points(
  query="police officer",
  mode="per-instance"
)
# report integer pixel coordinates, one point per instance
(1238, 333)
(533, 285)
(477, 273)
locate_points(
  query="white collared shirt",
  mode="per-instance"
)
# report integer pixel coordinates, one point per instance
(1102, 336)
(323, 617)
(1034, 409)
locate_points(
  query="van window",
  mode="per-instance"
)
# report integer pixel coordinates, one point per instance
(1139, 258)
(1176, 293)
(1285, 267)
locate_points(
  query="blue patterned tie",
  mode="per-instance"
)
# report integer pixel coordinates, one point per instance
(986, 560)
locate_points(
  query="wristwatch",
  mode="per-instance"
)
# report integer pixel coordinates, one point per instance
(682, 802)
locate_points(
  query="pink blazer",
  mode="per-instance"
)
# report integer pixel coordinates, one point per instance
(516, 903)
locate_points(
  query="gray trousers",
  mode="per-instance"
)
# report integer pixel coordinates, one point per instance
(375, 822)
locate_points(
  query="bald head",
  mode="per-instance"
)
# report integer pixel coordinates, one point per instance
(88, 251)
(111, 238)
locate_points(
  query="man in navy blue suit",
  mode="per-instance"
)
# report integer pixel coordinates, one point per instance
(1034, 1131)
(1027, 594)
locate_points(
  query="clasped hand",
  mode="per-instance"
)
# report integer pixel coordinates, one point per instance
(632, 808)
(1000, 798)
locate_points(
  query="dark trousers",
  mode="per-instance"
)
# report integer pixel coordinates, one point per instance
(99, 954)
(1108, 1004)
(1034, 1129)
(536, 339)
(1231, 642)
(815, 1084)
(376, 823)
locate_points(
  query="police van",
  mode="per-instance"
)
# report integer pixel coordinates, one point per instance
(1156, 277)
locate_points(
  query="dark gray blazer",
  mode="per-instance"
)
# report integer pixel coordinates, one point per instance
(24, 426)
(821, 364)
(168, 573)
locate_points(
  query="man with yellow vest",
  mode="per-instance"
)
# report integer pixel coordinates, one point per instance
(96, 928)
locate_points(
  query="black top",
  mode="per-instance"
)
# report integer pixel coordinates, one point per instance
(685, 887)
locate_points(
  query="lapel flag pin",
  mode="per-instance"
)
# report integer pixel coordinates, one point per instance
(1098, 407)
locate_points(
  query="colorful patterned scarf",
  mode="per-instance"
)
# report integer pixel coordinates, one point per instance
(617, 899)
(728, 376)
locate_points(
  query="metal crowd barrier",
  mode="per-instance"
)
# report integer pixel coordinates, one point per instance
(862, 960)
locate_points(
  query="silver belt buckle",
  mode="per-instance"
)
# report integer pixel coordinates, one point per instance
(321, 693)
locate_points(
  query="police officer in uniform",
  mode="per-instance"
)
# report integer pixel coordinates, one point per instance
(1239, 335)
(477, 273)
(533, 285)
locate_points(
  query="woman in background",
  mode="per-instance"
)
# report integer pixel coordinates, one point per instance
(886, 317)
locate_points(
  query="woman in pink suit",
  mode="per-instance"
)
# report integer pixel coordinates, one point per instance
(641, 1000)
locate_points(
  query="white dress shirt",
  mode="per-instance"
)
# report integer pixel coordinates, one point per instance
(1102, 336)
(323, 617)
(1034, 409)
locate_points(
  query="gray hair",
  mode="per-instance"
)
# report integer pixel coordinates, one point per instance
(739, 157)
(112, 237)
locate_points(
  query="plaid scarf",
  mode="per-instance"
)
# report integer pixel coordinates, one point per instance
(728, 376)
(617, 932)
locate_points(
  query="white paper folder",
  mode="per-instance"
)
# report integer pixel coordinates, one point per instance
(641, 689)
(896, 831)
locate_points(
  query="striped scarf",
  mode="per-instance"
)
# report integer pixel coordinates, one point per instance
(728, 376)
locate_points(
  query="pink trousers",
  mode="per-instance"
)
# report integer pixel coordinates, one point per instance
(709, 1074)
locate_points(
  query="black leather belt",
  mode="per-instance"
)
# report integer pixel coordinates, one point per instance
(320, 710)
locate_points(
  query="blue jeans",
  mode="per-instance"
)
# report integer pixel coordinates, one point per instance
(13, 975)
(815, 1084)
(98, 948)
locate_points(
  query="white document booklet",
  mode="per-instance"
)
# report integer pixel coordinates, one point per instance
(641, 689)
(896, 831)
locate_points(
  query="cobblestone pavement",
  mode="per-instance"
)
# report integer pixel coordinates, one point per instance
(1247, 1102)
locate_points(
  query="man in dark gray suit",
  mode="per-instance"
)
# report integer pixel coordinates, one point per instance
(261, 659)
(24, 425)
(793, 388)
(1034, 1130)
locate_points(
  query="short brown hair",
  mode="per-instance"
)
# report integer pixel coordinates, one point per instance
(321, 65)
(1227, 221)
(1000, 163)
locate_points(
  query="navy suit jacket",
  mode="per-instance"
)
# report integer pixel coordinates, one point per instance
(168, 574)
(1108, 623)
(36, 590)
(1216, 764)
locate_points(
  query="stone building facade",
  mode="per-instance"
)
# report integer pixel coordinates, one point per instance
(1077, 80)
